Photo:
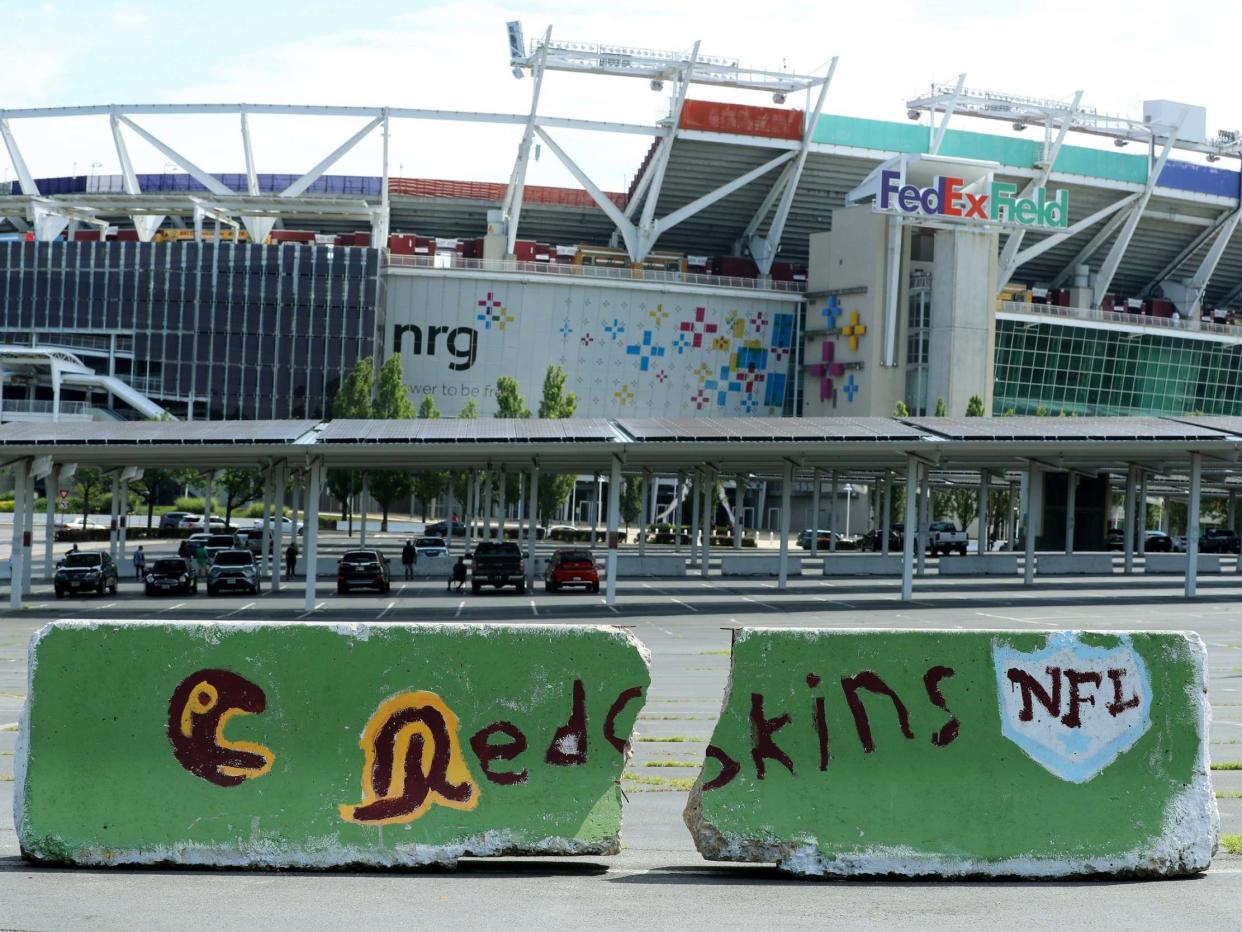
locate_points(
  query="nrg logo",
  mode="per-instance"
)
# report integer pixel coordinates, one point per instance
(462, 343)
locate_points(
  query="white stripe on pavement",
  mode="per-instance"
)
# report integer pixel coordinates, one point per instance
(387, 609)
(238, 611)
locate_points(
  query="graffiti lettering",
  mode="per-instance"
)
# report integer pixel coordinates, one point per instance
(610, 721)
(931, 682)
(1031, 688)
(872, 683)
(1076, 678)
(412, 760)
(487, 752)
(1117, 706)
(200, 708)
(819, 719)
(569, 744)
(729, 768)
(761, 731)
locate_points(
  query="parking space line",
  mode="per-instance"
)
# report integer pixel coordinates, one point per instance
(534, 610)
(313, 610)
(684, 604)
(387, 609)
(460, 606)
(654, 588)
(611, 608)
(169, 608)
(238, 611)
(771, 608)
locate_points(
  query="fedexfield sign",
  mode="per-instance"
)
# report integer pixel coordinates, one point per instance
(946, 199)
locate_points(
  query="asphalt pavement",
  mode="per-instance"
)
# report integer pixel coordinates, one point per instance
(658, 880)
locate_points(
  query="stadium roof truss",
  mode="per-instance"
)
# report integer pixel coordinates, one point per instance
(701, 192)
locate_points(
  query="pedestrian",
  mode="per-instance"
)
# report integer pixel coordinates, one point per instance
(200, 558)
(73, 549)
(140, 563)
(459, 575)
(291, 558)
(409, 556)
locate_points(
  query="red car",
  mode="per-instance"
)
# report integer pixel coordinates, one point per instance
(571, 567)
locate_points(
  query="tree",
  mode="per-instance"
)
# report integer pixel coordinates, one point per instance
(974, 407)
(556, 403)
(88, 483)
(900, 410)
(241, 486)
(151, 484)
(469, 410)
(353, 400)
(964, 506)
(428, 486)
(427, 408)
(392, 402)
(631, 500)
(461, 480)
(509, 401)
(942, 409)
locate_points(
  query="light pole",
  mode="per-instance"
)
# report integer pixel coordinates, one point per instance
(849, 496)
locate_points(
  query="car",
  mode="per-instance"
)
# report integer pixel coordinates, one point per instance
(824, 538)
(286, 524)
(189, 546)
(571, 567)
(81, 524)
(173, 519)
(441, 529)
(559, 532)
(252, 539)
(195, 523)
(1179, 543)
(430, 547)
(217, 543)
(497, 563)
(944, 537)
(82, 571)
(363, 569)
(1219, 540)
(1157, 541)
(170, 574)
(233, 569)
(874, 539)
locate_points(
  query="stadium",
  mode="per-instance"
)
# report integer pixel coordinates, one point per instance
(766, 260)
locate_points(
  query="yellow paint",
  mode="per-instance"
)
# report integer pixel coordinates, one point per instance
(248, 773)
(194, 707)
(456, 772)
(853, 330)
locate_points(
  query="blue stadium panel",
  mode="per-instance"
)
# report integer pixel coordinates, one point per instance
(1201, 179)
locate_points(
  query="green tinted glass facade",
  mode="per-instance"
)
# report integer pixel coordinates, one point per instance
(1081, 370)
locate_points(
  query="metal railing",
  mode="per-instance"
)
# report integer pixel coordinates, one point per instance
(449, 262)
(1183, 325)
(41, 406)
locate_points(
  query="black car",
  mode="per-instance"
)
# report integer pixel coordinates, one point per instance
(363, 569)
(1153, 541)
(874, 539)
(440, 529)
(172, 519)
(85, 572)
(1219, 540)
(171, 575)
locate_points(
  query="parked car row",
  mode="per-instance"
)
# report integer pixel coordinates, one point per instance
(1213, 540)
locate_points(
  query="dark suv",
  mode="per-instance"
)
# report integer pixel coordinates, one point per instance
(85, 572)
(363, 568)
(171, 575)
(1219, 540)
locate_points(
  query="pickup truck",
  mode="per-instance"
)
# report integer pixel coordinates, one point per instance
(944, 537)
(497, 563)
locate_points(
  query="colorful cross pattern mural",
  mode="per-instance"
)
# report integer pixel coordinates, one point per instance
(832, 312)
(493, 312)
(853, 330)
(645, 351)
(698, 327)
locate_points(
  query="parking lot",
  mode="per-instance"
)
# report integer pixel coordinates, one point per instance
(658, 877)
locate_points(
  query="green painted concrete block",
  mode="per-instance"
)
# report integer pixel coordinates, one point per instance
(313, 745)
(958, 753)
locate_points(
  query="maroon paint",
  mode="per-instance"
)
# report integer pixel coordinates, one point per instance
(931, 682)
(1071, 719)
(871, 682)
(199, 752)
(487, 752)
(610, 721)
(761, 731)
(417, 783)
(819, 718)
(1117, 706)
(1031, 687)
(728, 768)
(576, 727)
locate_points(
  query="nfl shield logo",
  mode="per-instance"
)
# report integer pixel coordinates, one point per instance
(1073, 708)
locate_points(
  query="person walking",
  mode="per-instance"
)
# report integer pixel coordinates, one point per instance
(200, 558)
(459, 575)
(291, 558)
(140, 563)
(409, 556)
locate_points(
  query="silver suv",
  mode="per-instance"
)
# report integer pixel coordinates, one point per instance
(233, 570)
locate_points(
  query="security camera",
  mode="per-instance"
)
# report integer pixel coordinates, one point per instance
(1019, 126)
(1121, 143)
(657, 84)
(912, 114)
(778, 98)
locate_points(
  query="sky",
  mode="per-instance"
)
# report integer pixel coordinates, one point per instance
(454, 56)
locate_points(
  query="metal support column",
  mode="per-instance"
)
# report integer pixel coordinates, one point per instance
(982, 544)
(924, 528)
(1028, 518)
(705, 554)
(614, 522)
(694, 518)
(52, 484)
(310, 556)
(815, 513)
(786, 490)
(1140, 523)
(19, 552)
(122, 524)
(113, 508)
(1071, 507)
(832, 515)
(362, 512)
(739, 508)
(211, 489)
(886, 509)
(450, 508)
(1192, 526)
(1128, 521)
(907, 538)
(276, 535)
(532, 536)
(503, 506)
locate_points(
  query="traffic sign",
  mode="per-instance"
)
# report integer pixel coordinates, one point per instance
(64, 496)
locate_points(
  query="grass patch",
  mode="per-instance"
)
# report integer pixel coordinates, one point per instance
(6, 753)
(1228, 741)
(672, 783)
(1228, 794)
(716, 653)
(686, 763)
(6, 778)
(676, 739)
(12, 727)
(1227, 765)
(1232, 843)
(9, 695)
(676, 718)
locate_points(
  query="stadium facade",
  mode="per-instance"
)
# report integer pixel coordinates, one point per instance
(764, 261)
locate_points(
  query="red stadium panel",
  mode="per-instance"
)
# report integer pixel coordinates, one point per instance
(741, 120)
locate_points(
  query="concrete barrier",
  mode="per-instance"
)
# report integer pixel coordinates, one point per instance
(297, 745)
(977, 564)
(632, 565)
(879, 752)
(862, 564)
(758, 565)
(1074, 564)
(1176, 563)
